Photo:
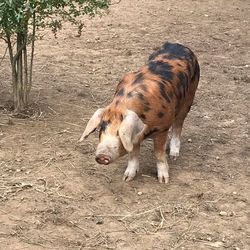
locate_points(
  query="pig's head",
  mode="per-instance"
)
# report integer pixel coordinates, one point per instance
(119, 132)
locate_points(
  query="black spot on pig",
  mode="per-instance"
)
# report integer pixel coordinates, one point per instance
(163, 92)
(183, 80)
(142, 116)
(139, 78)
(141, 96)
(146, 106)
(130, 94)
(160, 114)
(121, 92)
(163, 69)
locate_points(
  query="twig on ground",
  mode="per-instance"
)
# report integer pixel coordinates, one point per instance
(47, 141)
(64, 196)
(61, 171)
(162, 221)
(31, 242)
(72, 165)
(144, 175)
(76, 125)
(94, 99)
(75, 225)
(48, 162)
(142, 213)
(53, 110)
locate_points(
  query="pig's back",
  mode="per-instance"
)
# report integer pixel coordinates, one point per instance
(160, 88)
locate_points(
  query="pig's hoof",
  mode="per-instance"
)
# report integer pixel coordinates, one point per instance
(163, 176)
(130, 173)
(173, 154)
(128, 178)
(163, 179)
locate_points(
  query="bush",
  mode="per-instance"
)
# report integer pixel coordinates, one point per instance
(19, 22)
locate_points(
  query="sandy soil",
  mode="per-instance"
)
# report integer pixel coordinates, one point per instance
(53, 195)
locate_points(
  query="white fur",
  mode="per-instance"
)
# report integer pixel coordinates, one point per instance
(109, 146)
(130, 130)
(133, 164)
(162, 171)
(175, 145)
(92, 124)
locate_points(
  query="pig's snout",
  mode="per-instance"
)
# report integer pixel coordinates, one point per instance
(103, 159)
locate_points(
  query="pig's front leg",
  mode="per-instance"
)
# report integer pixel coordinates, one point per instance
(133, 164)
(160, 154)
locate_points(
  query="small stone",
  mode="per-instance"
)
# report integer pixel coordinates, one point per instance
(128, 53)
(217, 157)
(231, 214)
(139, 193)
(206, 15)
(18, 170)
(190, 140)
(223, 213)
(237, 248)
(99, 222)
(234, 192)
(209, 238)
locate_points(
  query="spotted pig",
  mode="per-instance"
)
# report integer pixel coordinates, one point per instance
(148, 103)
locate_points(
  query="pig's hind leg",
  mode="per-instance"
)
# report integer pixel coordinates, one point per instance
(175, 142)
(133, 164)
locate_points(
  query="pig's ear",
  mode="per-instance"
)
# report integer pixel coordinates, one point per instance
(93, 123)
(130, 130)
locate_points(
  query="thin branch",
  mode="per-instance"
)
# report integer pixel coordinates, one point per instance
(25, 65)
(10, 50)
(32, 49)
(4, 55)
(13, 67)
(18, 60)
(19, 51)
(1, 37)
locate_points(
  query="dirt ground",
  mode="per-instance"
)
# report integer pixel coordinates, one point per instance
(53, 195)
